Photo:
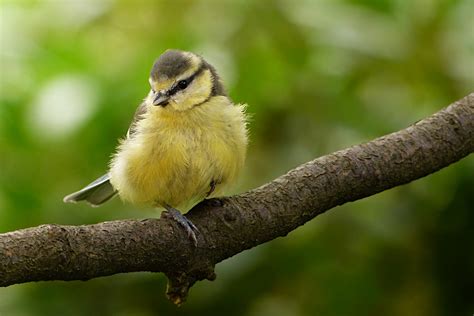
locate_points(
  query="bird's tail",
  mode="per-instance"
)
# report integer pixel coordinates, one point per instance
(96, 193)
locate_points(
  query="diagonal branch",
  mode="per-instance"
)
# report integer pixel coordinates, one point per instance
(232, 224)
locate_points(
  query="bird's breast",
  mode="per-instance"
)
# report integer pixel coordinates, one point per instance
(173, 160)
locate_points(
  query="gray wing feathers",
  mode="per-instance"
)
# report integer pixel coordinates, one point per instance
(100, 191)
(96, 193)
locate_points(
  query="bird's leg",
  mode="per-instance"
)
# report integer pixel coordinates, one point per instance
(212, 187)
(188, 226)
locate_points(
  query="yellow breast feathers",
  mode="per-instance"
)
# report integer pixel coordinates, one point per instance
(176, 157)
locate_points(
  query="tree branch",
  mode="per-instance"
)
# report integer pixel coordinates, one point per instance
(230, 225)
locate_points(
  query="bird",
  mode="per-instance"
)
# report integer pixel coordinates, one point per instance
(187, 142)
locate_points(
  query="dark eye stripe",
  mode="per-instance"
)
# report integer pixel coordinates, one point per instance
(177, 87)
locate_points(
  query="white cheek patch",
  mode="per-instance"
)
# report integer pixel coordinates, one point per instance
(197, 92)
(201, 87)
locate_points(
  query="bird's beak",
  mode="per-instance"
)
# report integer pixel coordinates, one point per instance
(161, 99)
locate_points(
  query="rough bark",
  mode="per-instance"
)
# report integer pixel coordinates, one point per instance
(230, 225)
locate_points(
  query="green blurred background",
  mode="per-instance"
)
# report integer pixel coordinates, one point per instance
(318, 76)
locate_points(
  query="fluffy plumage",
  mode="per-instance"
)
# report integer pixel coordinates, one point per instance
(187, 141)
(173, 156)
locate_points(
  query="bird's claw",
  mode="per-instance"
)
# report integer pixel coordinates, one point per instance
(189, 227)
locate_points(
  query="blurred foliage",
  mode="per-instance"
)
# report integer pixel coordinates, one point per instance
(318, 75)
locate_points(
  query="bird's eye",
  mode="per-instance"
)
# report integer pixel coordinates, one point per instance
(182, 84)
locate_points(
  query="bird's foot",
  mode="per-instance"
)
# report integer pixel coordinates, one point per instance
(188, 226)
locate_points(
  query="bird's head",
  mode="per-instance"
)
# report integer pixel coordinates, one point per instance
(182, 80)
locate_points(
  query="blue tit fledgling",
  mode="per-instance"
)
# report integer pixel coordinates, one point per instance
(187, 141)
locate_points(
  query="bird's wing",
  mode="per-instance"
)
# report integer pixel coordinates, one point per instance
(95, 193)
(139, 113)
(101, 190)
